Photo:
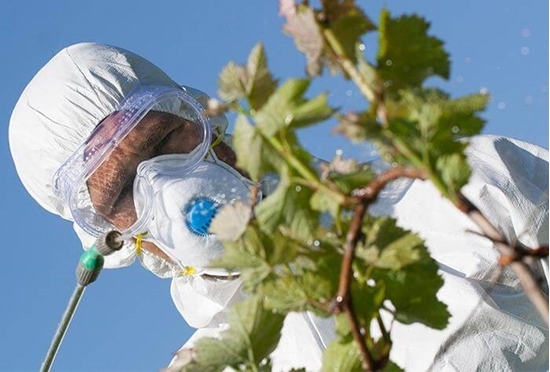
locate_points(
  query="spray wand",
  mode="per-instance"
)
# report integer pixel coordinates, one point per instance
(87, 271)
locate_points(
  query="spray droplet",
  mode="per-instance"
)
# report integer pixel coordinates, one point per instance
(361, 47)
(339, 152)
(316, 243)
(349, 92)
(234, 189)
(389, 62)
(455, 129)
(298, 188)
(288, 119)
(252, 112)
(525, 51)
(484, 90)
(525, 32)
(501, 105)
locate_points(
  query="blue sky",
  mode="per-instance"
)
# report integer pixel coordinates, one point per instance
(126, 320)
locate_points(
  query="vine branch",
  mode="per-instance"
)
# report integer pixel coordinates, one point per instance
(343, 300)
(512, 257)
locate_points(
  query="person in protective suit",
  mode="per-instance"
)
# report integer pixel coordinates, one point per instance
(104, 138)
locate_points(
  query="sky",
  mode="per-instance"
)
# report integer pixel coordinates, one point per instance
(126, 321)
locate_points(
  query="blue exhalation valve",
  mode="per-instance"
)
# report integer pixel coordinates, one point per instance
(199, 214)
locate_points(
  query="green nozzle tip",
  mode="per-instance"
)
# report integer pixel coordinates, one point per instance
(92, 260)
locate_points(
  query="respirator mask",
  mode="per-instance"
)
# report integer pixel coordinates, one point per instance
(149, 170)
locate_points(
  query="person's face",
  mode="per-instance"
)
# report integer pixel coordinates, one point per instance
(158, 133)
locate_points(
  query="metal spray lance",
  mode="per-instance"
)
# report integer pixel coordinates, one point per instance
(87, 271)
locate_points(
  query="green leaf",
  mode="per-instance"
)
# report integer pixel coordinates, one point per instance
(407, 55)
(297, 292)
(288, 108)
(323, 202)
(231, 221)
(252, 335)
(260, 83)
(311, 111)
(253, 81)
(388, 246)
(360, 127)
(256, 255)
(301, 25)
(391, 367)
(412, 290)
(353, 181)
(425, 130)
(403, 266)
(254, 155)
(342, 356)
(232, 81)
(348, 27)
(454, 170)
(289, 206)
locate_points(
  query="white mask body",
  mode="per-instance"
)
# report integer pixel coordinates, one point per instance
(181, 207)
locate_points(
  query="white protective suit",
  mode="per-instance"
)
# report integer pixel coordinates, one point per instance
(495, 330)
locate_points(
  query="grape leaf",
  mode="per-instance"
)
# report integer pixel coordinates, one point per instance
(388, 246)
(288, 205)
(302, 26)
(231, 221)
(342, 356)
(407, 55)
(252, 335)
(260, 84)
(253, 81)
(348, 23)
(254, 155)
(403, 266)
(232, 82)
(288, 108)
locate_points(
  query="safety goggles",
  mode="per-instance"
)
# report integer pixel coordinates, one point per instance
(96, 181)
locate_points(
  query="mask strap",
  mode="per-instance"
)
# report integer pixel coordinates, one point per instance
(218, 140)
(139, 239)
(188, 270)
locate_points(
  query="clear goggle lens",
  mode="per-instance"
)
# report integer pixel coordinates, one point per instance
(97, 181)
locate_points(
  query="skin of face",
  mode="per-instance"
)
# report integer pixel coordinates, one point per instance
(158, 133)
